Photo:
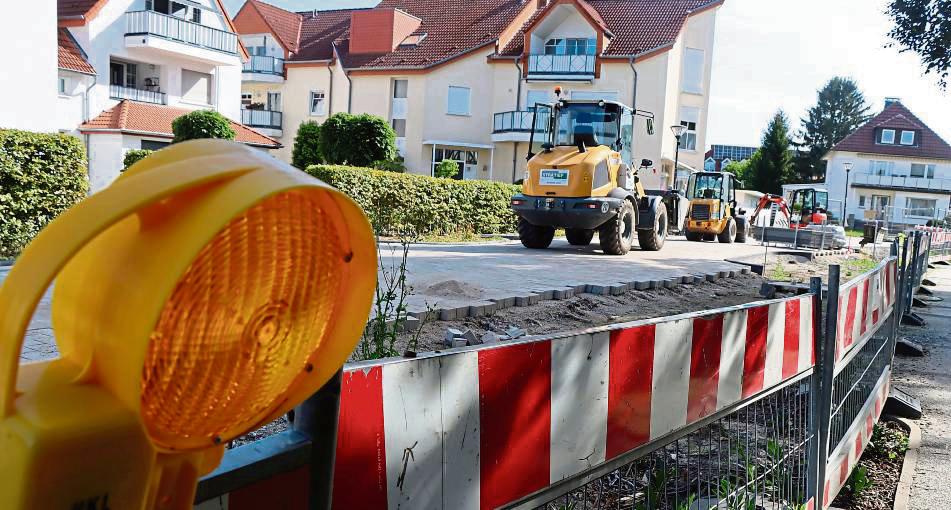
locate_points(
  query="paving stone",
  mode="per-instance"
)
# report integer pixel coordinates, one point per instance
(563, 293)
(724, 274)
(526, 300)
(744, 270)
(411, 323)
(600, 290)
(545, 295)
(642, 285)
(503, 303)
(712, 277)
(618, 289)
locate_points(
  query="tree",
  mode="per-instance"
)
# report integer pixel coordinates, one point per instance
(133, 156)
(447, 168)
(306, 150)
(741, 169)
(356, 140)
(771, 166)
(202, 124)
(924, 27)
(840, 109)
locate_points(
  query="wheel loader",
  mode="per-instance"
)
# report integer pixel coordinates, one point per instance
(713, 213)
(583, 181)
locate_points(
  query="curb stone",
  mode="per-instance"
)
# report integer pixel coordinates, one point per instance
(903, 491)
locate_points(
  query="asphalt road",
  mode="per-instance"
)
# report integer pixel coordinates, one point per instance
(471, 273)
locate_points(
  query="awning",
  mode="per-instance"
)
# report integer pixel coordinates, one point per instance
(468, 145)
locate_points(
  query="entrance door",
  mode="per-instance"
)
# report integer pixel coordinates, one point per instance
(880, 205)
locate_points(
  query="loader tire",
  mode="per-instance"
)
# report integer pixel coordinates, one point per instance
(729, 232)
(742, 229)
(533, 236)
(652, 239)
(693, 236)
(617, 235)
(579, 236)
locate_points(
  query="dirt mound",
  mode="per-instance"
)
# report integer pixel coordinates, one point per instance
(452, 288)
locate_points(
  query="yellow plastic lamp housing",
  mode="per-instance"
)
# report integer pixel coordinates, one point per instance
(207, 291)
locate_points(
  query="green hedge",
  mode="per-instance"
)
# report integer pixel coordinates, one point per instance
(41, 175)
(133, 156)
(399, 203)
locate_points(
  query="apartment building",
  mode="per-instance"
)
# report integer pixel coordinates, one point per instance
(900, 170)
(117, 72)
(458, 79)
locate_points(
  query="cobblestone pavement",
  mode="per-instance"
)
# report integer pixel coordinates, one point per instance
(929, 380)
(466, 274)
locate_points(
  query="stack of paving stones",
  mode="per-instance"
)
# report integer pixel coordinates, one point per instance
(490, 306)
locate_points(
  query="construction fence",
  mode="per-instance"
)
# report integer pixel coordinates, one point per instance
(763, 405)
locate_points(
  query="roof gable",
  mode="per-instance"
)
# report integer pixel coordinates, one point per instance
(156, 120)
(589, 13)
(896, 116)
(284, 25)
(637, 26)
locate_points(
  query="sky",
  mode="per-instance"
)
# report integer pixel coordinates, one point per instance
(768, 56)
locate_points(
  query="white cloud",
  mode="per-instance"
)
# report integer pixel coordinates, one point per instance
(769, 56)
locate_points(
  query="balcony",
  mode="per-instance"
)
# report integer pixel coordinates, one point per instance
(119, 92)
(168, 34)
(260, 68)
(516, 126)
(268, 122)
(561, 67)
(901, 183)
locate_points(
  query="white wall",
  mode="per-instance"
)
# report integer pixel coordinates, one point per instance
(105, 159)
(272, 47)
(30, 55)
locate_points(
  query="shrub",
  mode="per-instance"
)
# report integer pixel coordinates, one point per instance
(356, 140)
(41, 175)
(399, 203)
(133, 156)
(447, 169)
(393, 165)
(306, 150)
(202, 124)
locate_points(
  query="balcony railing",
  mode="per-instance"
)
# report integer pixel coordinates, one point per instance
(176, 29)
(561, 65)
(143, 96)
(261, 119)
(894, 181)
(518, 121)
(264, 65)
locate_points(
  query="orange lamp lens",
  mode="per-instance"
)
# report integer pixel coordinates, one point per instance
(242, 322)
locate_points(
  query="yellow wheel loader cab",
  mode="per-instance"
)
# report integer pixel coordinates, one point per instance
(713, 212)
(582, 181)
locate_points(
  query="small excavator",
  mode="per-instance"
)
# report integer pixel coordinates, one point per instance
(583, 180)
(809, 207)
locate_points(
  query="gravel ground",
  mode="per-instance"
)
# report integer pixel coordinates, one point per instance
(589, 310)
(882, 461)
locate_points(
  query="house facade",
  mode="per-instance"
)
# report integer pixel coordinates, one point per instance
(117, 72)
(466, 92)
(720, 156)
(900, 170)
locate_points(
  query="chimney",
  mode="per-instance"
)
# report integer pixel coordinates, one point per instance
(380, 30)
(891, 100)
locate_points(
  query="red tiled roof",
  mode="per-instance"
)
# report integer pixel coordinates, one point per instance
(319, 30)
(71, 56)
(156, 120)
(285, 25)
(897, 116)
(637, 26)
(78, 8)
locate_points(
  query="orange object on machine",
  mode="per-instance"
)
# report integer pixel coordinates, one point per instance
(809, 207)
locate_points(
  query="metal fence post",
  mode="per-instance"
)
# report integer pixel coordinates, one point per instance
(317, 418)
(825, 366)
(915, 271)
(897, 296)
(815, 382)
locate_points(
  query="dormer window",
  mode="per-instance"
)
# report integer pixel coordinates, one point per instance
(907, 138)
(571, 46)
(887, 137)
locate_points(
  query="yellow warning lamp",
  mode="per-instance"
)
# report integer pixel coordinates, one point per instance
(206, 292)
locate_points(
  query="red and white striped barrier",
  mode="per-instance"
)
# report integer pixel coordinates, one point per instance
(938, 235)
(864, 304)
(845, 457)
(483, 427)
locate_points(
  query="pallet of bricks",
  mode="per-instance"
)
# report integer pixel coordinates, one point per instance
(762, 405)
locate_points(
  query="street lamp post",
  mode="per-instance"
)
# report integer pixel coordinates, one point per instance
(845, 201)
(678, 131)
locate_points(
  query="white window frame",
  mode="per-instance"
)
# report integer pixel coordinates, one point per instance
(933, 207)
(693, 71)
(909, 142)
(393, 123)
(246, 96)
(689, 115)
(467, 111)
(320, 108)
(882, 139)
(61, 85)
